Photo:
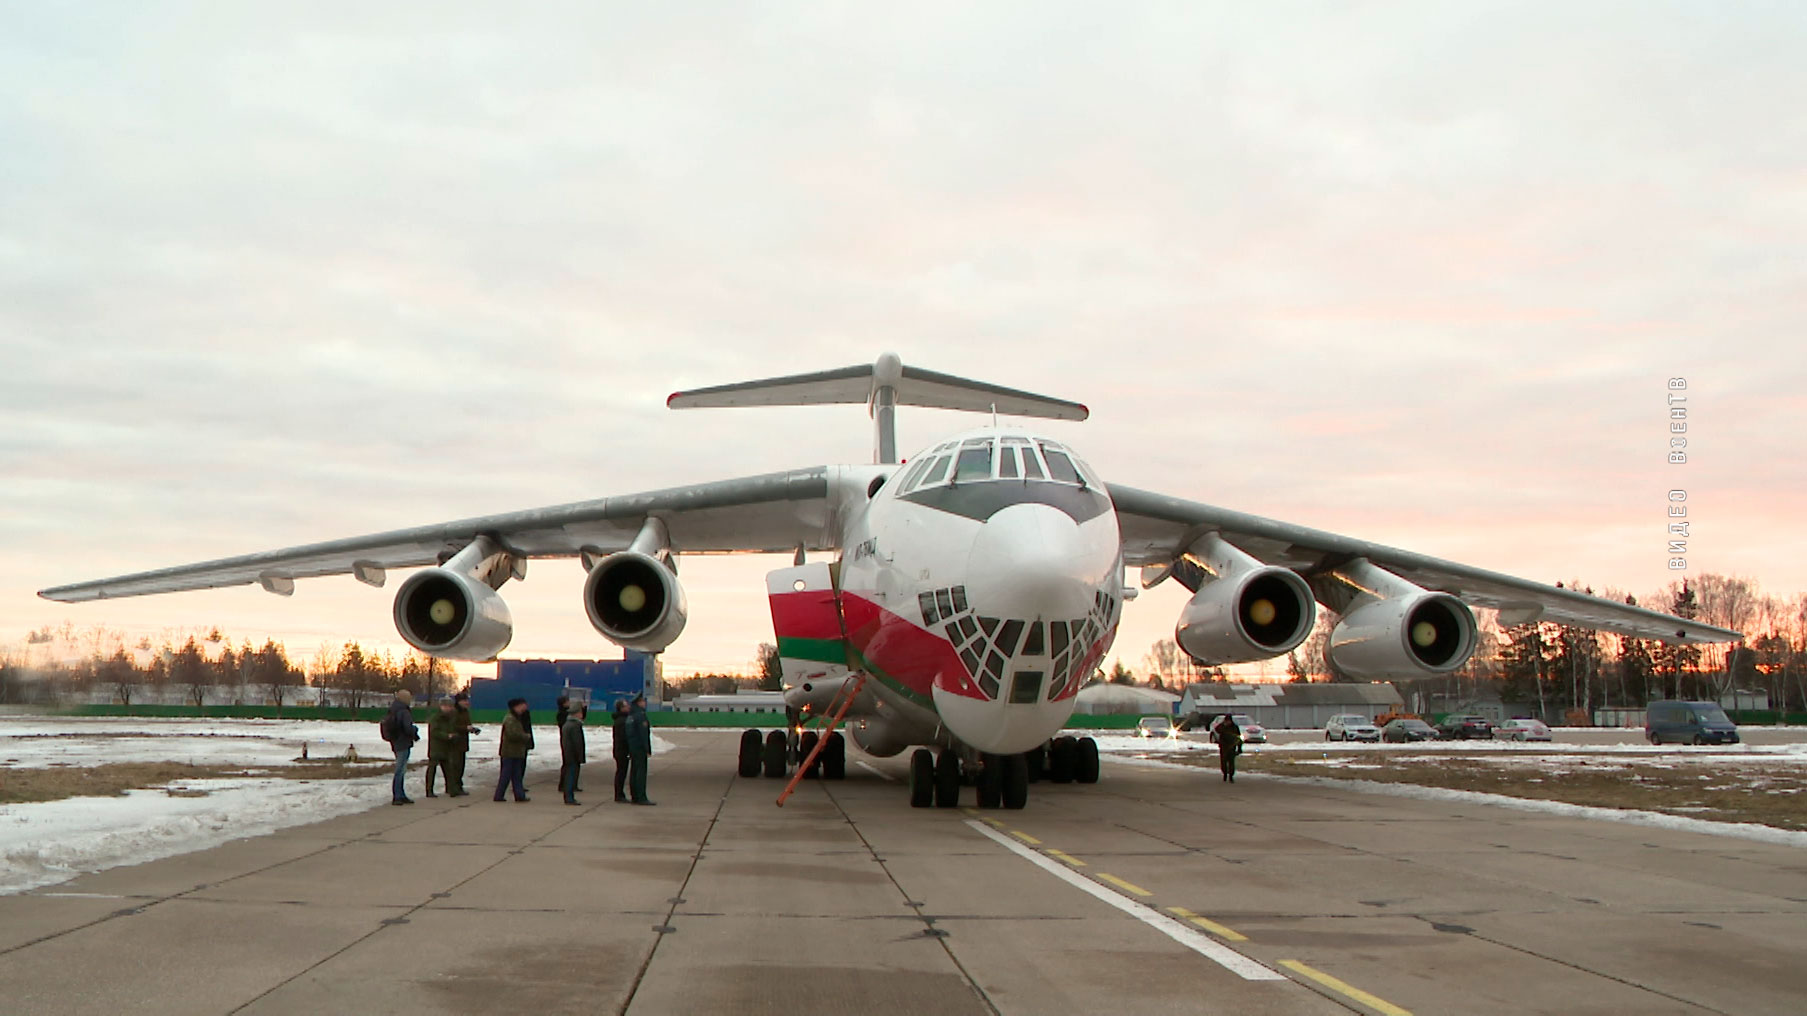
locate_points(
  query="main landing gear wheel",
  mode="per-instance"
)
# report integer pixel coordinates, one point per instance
(947, 780)
(1085, 761)
(805, 745)
(922, 778)
(834, 757)
(1014, 781)
(1061, 759)
(775, 749)
(1037, 759)
(750, 745)
(991, 781)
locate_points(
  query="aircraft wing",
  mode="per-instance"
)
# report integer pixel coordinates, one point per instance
(774, 512)
(1158, 530)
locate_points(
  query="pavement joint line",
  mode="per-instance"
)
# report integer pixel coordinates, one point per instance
(1346, 989)
(1245, 967)
(1126, 886)
(1026, 838)
(1209, 925)
(874, 770)
(1064, 856)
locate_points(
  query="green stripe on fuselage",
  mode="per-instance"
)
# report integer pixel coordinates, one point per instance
(893, 683)
(817, 650)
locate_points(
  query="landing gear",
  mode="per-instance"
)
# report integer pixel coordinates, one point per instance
(947, 780)
(776, 747)
(834, 757)
(990, 783)
(751, 750)
(806, 744)
(1061, 759)
(1014, 781)
(1085, 765)
(1037, 760)
(922, 778)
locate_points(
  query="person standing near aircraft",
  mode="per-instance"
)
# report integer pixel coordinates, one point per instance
(1229, 745)
(517, 741)
(618, 745)
(558, 723)
(571, 750)
(442, 728)
(399, 730)
(639, 748)
(459, 748)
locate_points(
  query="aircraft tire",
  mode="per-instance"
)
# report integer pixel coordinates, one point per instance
(922, 778)
(805, 745)
(991, 782)
(947, 780)
(1061, 760)
(1037, 759)
(750, 746)
(834, 757)
(1015, 788)
(775, 750)
(1085, 761)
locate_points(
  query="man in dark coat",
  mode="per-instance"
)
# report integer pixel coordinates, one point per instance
(517, 741)
(564, 711)
(1229, 745)
(399, 730)
(618, 743)
(571, 750)
(460, 745)
(639, 749)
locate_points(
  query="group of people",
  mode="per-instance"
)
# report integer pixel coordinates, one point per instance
(449, 733)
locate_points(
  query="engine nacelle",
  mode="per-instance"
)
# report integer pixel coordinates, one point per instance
(1404, 636)
(1252, 615)
(635, 601)
(448, 614)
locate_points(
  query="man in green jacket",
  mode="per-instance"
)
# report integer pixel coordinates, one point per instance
(517, 741)
(460, 745)
(441, 729)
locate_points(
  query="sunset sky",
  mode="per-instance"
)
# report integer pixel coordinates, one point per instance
(1415, 273)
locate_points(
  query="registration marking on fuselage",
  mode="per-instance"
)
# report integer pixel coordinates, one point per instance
(1193, 939)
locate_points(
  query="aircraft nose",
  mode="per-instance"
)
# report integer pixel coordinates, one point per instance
(1030, 561)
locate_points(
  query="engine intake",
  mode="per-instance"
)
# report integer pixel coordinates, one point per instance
(448, 614)
(635, 601)
(1421, 633)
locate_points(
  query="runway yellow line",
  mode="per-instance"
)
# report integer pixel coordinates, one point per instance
(1129, 887)
(1209, 925)
(1064, 856)
(1026, 838)
(1374, 1002)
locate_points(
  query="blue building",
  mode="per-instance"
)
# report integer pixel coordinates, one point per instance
(541, 682)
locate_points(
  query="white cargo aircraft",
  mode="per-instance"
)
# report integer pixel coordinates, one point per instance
(970, 593)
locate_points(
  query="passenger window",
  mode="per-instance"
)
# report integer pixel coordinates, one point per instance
(973, 464)
(937, 471)
(1006, 463)
(1032, 466)
(1059, 466)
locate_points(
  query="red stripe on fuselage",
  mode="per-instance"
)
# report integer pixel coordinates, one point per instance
(916, 658)
(810, 614)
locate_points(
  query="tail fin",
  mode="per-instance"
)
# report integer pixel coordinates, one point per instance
(882, 385)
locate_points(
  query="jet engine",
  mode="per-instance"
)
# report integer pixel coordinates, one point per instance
(449, 614)
(1394, 628)
(1249, 611)
(634, 599)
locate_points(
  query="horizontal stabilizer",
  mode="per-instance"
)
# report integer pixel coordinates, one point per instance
(909, 386)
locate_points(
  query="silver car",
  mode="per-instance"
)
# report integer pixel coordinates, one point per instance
(1522, 730)
(1351, 727)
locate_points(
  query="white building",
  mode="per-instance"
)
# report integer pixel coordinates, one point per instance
(1292, 706)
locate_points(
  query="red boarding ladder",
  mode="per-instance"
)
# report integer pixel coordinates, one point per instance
(837, 710)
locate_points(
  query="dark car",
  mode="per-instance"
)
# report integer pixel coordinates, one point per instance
(1403, 730)
(1689, 723)
(1465, 726)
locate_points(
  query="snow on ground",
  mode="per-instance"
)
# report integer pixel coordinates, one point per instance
(1506, 750)
(50, 841)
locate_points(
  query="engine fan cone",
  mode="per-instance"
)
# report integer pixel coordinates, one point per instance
(632, 598)
(1424, 634)
(442, 611)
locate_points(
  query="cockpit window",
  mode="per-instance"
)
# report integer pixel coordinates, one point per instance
(909, 477)
(1032, 466)
(1006, 463)
(1060, 467)
(974, 463)
(937, 470)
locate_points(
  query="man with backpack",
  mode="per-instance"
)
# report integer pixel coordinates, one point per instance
(399, 730)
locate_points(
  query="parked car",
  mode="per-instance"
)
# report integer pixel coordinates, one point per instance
(1465, 727)
(1390, 715)
(1252, 732)
(1688, 723)
(1407, 729)
(1522, 730)
(1156, 726)
(1351, 727)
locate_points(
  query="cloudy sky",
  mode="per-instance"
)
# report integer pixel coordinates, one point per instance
(1418, 273)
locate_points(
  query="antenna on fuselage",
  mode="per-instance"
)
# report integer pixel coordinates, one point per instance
(883, 385)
